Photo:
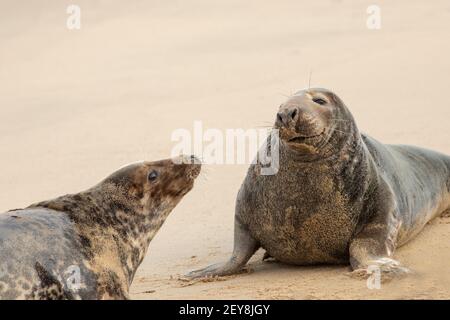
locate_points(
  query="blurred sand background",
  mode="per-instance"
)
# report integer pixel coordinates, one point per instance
(76, 105)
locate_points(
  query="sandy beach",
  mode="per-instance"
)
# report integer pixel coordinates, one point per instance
(75, 105)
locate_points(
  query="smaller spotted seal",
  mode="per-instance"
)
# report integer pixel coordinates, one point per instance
(339, 196)
(89, 245)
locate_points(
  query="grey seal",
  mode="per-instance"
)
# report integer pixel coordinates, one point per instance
(89, 245)
(339, 196)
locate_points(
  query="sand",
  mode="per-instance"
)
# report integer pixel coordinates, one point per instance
(76, 105)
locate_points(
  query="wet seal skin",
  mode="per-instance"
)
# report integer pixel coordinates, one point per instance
(89, 245)
(339, 196)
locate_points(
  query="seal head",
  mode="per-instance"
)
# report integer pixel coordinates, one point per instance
(314, 124)
(155, 187)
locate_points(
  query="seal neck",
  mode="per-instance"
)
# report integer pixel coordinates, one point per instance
(107, 216)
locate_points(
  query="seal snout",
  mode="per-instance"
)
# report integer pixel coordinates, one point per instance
(184, 159)
(304, 118)
(190, 165)
(287, 117)
(194, 169)
(297, 124)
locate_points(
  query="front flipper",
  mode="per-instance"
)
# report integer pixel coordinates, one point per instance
(48, 287)
(244, 248)
(387, 269)
(268, 258)
(372, 248)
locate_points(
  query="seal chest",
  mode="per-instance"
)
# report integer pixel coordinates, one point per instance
(301, 216)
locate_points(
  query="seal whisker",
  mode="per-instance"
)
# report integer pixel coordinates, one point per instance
(328, 135)
(344, 132)
(204, 174)
(340, 120)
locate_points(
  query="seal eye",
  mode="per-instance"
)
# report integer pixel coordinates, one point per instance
(319, 101)
(153, 175)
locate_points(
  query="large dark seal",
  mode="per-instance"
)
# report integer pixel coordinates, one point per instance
(89, 245)
(339, 196)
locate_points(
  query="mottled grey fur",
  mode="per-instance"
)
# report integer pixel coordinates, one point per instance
(99, 236)
(37, 247)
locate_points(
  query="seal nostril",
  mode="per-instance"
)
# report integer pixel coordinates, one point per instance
(293, 113)
(279, 117)
(195, 160)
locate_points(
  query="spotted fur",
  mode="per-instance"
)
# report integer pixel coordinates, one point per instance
(103, 233)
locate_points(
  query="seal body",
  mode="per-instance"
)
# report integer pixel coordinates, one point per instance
(40, 251)
(316, 223)
(89, 245)
(339, 196)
